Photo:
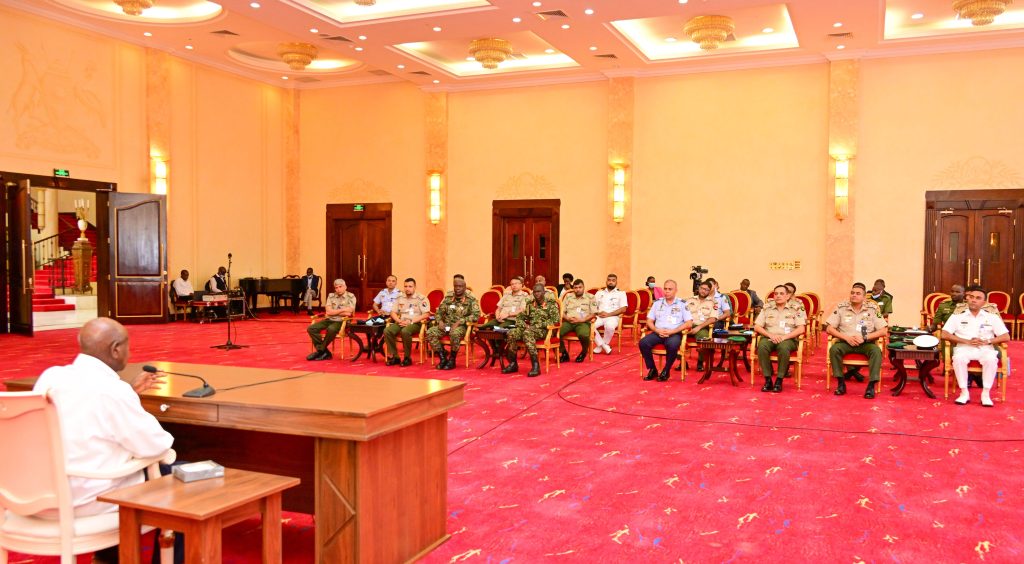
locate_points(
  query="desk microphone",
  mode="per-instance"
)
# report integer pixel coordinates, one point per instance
(206, 391)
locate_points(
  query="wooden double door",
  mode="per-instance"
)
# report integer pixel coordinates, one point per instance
(975, 237)
(359, 249)
(525, 240)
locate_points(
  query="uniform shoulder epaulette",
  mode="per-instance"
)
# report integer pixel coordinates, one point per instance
(960, 308)
(843, 304)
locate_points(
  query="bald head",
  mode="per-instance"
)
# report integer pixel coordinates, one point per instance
(107, 340)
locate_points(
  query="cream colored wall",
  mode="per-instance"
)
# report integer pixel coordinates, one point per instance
(364, 145)
(731, 173)
(528, 143)
(936, 122)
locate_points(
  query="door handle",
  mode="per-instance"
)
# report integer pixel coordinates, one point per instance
(25, 282)
(531, 266)
(526, 273)
(359, 268)
(978, 281)
(969, 262)
(365, 273)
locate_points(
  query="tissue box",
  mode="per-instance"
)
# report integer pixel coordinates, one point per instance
(198, 471)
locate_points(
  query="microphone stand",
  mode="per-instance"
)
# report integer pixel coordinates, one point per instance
(228, 346)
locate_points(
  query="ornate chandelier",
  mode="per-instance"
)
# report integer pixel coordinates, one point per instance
(709, 31)
(365, 2)
(134, 7)
(980, 12)
(490, 52)
(297, 55)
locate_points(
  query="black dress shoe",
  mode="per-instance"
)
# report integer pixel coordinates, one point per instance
(870, 392)
(767, 387)
(326, 355)
(450, 365)
(406, 361)
(778, 385)
(582, 356)
(392, 360)
(564, 357)
(313, 355)
(841, 387)
(651, 375)
(664, 374)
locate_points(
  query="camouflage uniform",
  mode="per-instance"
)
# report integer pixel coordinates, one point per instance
(577, 307)
(702, 309)
(405, 307)
(532, 325)
(847, 321)
(455, 315)
(331, 325)
(779, 322)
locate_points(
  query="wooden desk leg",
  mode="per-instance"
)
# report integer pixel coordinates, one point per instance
(270, 508)
(901, 378)
(203, 541)
(129, 551)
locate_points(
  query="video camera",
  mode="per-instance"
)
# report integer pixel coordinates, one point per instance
(696, 275)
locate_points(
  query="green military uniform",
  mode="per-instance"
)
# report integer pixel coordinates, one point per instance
(407, 308)
(331, 325)
(943, 312)
(581, 307)
(779, 322)
(453, 318)
(532, 325)
(884, 303)
(701, 310)
(848, 322)
(511, 304)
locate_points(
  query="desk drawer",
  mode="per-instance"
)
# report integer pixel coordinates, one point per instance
(167, 409)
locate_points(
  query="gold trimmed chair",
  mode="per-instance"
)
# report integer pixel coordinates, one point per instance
(796, 358)
(975, 368)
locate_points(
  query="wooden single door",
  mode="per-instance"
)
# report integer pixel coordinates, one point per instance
(525, 240)
(138, 258)
(954, 248)
(20, 273)
(359, 249)
(993, 251)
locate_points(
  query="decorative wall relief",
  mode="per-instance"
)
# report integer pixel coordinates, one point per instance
(978, 172)
(60, 102)
(526, 186)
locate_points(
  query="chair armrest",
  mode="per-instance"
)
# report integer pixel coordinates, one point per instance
(130, 467)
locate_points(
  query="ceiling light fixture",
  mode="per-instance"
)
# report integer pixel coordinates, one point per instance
(147, 34)
(314, 30)
(284, 78)
(837, 24)
(362, 38)
(670, 40)
(297, 55)
(437, 81)
(134, 7)
(189, 47)
(401, 66)
(980, 12)
(565, 26)
(840, 46)
(517, 20)
(589, 11)
(917, 16)
(767, 30)
(437, 28)
(536, 4)
(365, 2)
(593, 47)
(254, 5)
(709, 31)
(490, 51)
(549, 51)
(359, 48)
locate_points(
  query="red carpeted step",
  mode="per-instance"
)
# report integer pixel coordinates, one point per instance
(36, 302)
(56, 307)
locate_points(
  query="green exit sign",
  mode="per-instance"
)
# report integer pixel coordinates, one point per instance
(358, 207)
(62, 172)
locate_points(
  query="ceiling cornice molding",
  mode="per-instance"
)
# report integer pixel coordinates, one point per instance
(523, 83)
(943, 48)
(734, 65)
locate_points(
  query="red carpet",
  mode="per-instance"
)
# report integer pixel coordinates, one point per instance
(591, 463)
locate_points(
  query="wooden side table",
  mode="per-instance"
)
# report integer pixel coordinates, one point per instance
(926, 360)
(706, 349)
(200, 510)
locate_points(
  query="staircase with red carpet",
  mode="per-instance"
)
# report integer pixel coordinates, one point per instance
(51, 276)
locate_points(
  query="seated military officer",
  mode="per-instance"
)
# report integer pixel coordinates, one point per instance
(340, 305)
(974, 331)
(511, 303)
(531, 326)
(704, 309)
(882, 298)
(856, 324)
(407, 315)
(580, 309)
(667, 323)
(457, 311)
(779, 324)
(946, 308)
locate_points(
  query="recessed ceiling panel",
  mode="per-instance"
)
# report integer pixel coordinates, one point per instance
(347, 11)
(908, 19)
(758, 28)
(162, 11)
(529, 53)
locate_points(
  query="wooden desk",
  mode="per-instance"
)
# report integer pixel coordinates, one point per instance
(201, 510)
(371, 451)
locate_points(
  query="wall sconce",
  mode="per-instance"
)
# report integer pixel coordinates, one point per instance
(435, 197)
(842, 187)
(618, 192)
(159, 176)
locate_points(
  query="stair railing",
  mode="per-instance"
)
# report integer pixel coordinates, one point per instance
(45, 251)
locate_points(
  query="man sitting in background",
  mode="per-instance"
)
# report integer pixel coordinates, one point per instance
(882, 298)
(511, 303)
(310, 284)
(755, 302)
(218, 283)
(580, 309)
(182, 287)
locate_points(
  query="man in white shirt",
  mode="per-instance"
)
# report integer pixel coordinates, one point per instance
(182, 287)
(974, 332)
(611, 303)
(102, 421)
(218, 283)
(385, 300)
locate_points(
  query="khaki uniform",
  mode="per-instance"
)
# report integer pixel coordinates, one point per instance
(331, 325)
(510, 304)
(405, 307)
(849, 322)
(701, 310)
(582, 307)
(779, 322)
(453, 318)
(532, 325)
